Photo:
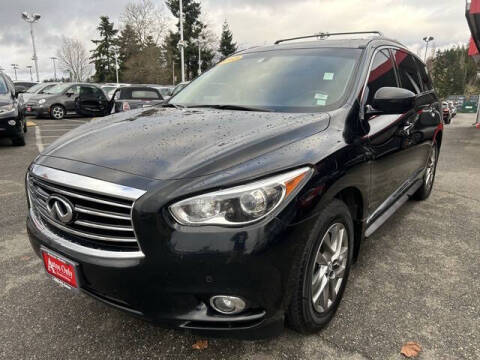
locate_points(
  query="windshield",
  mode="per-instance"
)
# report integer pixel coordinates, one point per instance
(165, 91)
(57, 88)
(35, 88)
(299, 80)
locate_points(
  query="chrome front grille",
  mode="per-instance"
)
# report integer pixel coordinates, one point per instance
(100, 220)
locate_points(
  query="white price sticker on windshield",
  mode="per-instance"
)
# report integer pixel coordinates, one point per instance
(328, 76)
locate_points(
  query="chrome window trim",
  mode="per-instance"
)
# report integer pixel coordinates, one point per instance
(86, 183)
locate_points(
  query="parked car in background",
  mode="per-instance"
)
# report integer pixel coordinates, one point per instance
(22, 86)
(69, 98)
(453, 108)
(165, 91)
(134, 97)
(447, 113)
(243, 203)
(36, 90)
(12, 121)
(110, 88)
(179, 87)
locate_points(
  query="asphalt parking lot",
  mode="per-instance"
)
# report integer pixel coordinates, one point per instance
(417, 279)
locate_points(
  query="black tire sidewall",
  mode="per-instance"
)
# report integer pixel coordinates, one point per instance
(336, 212)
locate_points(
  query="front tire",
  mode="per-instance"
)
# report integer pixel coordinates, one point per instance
(428, 179)
(57, 112)
(323, 269)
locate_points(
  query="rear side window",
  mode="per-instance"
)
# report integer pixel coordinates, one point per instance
(426, 80)
(3, 86)
(139, 94)
(382, 74)
(407, 70)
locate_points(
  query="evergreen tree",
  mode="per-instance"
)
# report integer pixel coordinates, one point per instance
(454, 72)
(103, 55)
(193, 29)
(129, 45)
(227, 46)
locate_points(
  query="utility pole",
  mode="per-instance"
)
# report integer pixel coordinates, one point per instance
(173, 72)
(181, 43)
(15, 67)
(29, 67)
(54, 67)
(116, 65)
(427, 39)
(199, 57)
(32, 18)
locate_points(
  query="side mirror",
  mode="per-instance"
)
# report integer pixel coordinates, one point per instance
(69, 93)
(19, 90)
(392, 100)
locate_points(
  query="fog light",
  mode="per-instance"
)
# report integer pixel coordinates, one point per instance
(12, 122)
(227, 304)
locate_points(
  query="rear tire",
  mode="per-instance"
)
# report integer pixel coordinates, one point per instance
(323, 264)
(57, 112)
(428, 179)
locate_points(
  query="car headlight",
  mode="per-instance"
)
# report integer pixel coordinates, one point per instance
(241, 204)
(6, 108)
(41, 101)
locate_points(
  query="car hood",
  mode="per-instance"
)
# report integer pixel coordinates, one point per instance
(164, 143)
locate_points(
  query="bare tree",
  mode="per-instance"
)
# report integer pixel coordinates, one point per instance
(148, 20)
(74, 59)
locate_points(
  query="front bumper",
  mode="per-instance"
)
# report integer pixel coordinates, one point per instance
(172, 282)
(7, 130)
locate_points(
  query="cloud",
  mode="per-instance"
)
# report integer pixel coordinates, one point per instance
(253, 22)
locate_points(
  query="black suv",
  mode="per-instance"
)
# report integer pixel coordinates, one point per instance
(64, 98)
(12, 121)
(244, 200)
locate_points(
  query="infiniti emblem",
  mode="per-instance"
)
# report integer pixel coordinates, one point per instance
(60, 208)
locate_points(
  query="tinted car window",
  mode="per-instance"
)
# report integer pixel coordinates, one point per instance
(408, 72)
(382, 74)
(3, 86)
(299, 80)
(145, 94)
(426, 81)
(98, 92)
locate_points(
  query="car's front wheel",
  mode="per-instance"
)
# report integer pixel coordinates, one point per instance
(57, 112)
(429, 177)
(324, 268)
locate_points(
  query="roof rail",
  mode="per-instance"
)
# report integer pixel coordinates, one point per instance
(322, 35)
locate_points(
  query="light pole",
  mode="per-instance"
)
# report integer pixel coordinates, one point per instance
(199, 57)
(173, 72)
(427, 39)
(29, 67)
(54, 67)
(181, 43)
(116, 65)
(32, 18)
(15, 67)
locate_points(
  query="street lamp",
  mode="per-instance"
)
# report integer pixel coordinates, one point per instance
(54, 67)
(116, 64)
(29, 67)
(427, 39)
(15, 67)
(32, 18)
(181, 43)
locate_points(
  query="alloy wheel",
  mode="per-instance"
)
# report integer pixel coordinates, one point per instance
(329, 268)
(430, 169)
(57, 112)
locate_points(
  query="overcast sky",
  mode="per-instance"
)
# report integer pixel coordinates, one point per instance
(253, 22)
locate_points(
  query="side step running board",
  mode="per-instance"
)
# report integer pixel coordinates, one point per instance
(392, 209)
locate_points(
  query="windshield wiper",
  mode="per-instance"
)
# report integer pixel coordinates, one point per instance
(180, 107)
(232, 107)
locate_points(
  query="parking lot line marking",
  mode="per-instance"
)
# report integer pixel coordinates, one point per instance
(51, 136)
(31, 123)
(38, 139)
(53, 130)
